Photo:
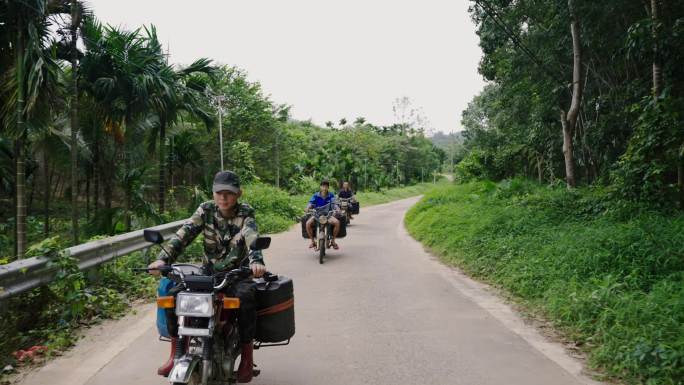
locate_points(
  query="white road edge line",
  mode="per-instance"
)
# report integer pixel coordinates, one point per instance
(481, 295)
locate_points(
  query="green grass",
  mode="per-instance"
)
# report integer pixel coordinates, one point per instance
(609, 276)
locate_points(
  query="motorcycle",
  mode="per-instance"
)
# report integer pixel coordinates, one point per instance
(346, 205)
(323, 229)
(208, 336)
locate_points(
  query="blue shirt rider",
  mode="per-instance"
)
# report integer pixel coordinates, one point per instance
(320, 199)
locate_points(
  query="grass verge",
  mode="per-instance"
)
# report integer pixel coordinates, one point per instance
(610, 277)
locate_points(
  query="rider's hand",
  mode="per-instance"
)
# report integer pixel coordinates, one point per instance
(155, 265)
(258, 269)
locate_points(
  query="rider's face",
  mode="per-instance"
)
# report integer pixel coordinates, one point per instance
(324, 189)
(225, 199)
(345, 185)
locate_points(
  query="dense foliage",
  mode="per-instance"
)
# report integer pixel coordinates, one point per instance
(116, 135)
(610, 276)
(628, 132)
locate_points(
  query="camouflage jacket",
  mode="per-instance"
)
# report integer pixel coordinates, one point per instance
(223, 237)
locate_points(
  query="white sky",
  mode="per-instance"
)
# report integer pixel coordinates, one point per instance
(328, 60)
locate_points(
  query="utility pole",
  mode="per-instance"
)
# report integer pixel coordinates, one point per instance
(220, 118)
(216, 101)
(277, 154)
(397, 167)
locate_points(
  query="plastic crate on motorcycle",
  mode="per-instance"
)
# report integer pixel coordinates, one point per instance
(355, 208)
(275, 310)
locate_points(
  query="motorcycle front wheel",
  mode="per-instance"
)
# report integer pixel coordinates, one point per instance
(195, 379)
(322, 243)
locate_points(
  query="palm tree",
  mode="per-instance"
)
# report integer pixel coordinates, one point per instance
(123, 71)
(68, 51)
(29, 75)
(180, 90)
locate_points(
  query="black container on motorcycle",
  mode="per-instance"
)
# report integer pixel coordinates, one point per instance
(275, 309)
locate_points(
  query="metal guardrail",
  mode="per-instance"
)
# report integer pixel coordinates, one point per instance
(26, 274)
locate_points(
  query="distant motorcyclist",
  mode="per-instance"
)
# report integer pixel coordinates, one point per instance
(228, 227)
(320, 199)
(347, 193)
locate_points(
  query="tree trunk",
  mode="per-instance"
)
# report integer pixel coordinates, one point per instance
(171, 164)
(162, 162)
(46, 196)
(89, 174)
(126, 187)
(540, 174)
(569, 120)
(657, 66)
(96, 173)
(20, 194)
(56, 191)
(20, 197)
(74, 122)
(127, 216)
(567, 152)
(31, 194)
(680, 182)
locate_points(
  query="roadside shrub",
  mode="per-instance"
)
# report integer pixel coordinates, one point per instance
(275, 209)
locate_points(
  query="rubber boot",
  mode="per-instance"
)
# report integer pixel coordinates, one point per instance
(165, 369)
(246, 368)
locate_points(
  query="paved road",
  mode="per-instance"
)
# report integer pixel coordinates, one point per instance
(379, 311)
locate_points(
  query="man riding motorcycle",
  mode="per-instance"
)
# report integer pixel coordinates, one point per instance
(347, 193)
(228, 227)
(320, 199)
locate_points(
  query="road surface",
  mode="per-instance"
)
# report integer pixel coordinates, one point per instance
(379, 311)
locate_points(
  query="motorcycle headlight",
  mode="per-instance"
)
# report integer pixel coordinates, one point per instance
(323, 219)
(195, 305)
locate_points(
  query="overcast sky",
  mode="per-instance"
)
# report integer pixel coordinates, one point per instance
(328, 60)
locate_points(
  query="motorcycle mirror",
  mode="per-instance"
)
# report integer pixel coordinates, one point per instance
(261, 243)
(153, 236)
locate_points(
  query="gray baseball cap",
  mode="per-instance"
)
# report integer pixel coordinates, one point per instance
(226, 180)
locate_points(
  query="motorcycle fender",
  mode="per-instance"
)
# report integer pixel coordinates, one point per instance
(183, 369)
